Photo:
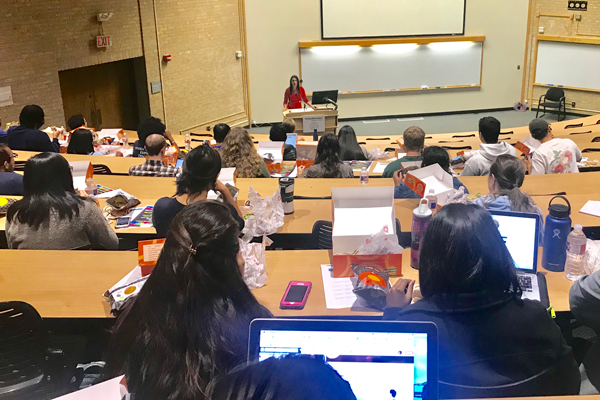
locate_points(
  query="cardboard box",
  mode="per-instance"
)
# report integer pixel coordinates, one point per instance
(227, 175)
(527, 145)
(359, 213)
(431, 177)
(81, 171)
(148, 253)
(306, 152)
(400, 142)
(271, 151)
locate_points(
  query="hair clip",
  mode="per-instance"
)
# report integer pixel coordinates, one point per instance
(192, 249)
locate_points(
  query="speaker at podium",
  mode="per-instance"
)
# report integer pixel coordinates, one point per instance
(324, 117)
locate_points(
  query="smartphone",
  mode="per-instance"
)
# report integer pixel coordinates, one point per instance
(122, 222)
(295, 295)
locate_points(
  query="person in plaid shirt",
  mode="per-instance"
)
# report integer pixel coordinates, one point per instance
(156, 145)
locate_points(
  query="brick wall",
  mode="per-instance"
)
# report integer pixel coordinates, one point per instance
(589, 26)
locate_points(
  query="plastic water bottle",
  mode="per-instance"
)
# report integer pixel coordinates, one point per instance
(556, 230)
(188, 142)
(90, 187)
(576, 242)
(364, 176)
(421, 217)
(125, 140)
(432, 198)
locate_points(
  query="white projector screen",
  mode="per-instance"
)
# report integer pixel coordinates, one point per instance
(384, 18)
(568, 64)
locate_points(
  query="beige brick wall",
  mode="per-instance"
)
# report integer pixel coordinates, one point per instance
(586, 102)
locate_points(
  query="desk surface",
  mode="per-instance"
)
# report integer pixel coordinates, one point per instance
(60, 284)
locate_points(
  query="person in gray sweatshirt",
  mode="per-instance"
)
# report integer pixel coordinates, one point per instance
(478, 162)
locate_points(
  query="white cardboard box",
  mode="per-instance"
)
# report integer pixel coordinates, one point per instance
(274, 149)
(81, 171)
(227, 175)
(306, 150)
(527, 145)
(431, 177)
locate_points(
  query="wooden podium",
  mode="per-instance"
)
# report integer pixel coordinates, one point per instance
(331, 118)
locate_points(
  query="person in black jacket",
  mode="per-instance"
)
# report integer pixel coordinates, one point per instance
(27, 135)
(492, 343)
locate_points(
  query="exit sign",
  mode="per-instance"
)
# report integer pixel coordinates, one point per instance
(103, 41)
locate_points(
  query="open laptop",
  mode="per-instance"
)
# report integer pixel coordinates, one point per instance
(380, 359)
(521, 233)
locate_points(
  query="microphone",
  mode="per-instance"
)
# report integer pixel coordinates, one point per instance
(327, 99)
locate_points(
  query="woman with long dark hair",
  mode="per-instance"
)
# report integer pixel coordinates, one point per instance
(349, 148)
(327, 164)
(294, 95)
(488, 336)
(82, 142)
(52, 215)
(189, 323)
(199, 175)
(506, 177)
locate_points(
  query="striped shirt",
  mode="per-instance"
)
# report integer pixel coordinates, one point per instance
(154, 168)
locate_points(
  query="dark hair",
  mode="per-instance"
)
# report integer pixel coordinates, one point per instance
(436, 155)
(463, 252)
(190, 320)
(76, 121)
(32, 117)
(155, 146)
(220, 131)
(509, 173)
(349, 148)
(414, 139)
(200, 170)
(489, 127)
(288, 378)
(82, 142)
(148, 127)
(297, 80)
(328, 151)
(277, 133)
(47, 186)
(4, 156)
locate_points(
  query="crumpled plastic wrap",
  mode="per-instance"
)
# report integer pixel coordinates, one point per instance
(371, 285)
(591, 260)
(457, 196)
(266, 218)
(378, 154)
(380, 244)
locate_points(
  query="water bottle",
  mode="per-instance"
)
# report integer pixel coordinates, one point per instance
(364, 176)
(421, 217)
(556, 230)
(576, 242)
(125, 140)
(432, 198)
(286, 188)
(90, 187)
(188, 142)
(315, 135)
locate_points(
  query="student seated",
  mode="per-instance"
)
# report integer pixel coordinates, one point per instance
(200, 173)
(156, 146)
(327, 163)
(349, 148)
(11, 183)
(77, 121)
(431, 155)
(150, 126)
(279, 134)
(488, 336)
(27, 135)
(414, 142)
(190, 321)
(289, 125)
(238, 151)
(82, 142)
(51, 215)
(479, 161)
(288, 378)
(507, 174)
(220, 132)
(554, 156)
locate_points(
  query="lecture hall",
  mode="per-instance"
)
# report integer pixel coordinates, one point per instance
(332, 199)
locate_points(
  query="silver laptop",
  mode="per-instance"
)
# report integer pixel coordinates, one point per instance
(521, 232)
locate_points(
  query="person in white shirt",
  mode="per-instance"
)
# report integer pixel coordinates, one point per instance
(479, 161)
(554, 156)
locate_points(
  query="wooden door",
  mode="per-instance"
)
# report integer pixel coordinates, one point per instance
(77, 93)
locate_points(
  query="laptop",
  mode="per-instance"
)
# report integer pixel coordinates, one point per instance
(521, 233)
(379, 359)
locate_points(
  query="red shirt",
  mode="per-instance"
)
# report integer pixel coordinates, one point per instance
(294, 100)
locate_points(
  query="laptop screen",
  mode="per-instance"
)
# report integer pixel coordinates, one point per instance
(520, 234)
(378, 365)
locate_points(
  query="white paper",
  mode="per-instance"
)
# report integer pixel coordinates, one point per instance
(591, 208)
(113, 193)
(6, 98)
(111, 133)
(108, 390)
(379, 168)
(338, 291)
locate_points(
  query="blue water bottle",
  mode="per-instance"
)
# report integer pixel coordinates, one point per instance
(556, 231)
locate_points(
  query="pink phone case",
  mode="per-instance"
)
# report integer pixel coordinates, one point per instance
(295, 305)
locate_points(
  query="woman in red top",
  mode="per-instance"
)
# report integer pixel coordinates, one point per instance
(294, 95)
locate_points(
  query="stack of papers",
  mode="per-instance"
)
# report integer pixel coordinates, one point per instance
(339, 292)
(591, 208)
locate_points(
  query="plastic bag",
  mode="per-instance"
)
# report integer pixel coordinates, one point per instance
(380, 244)
(255, 271)
(372, 285)
(591, 260)
(378, 154)
(457, 196)
(266, 217)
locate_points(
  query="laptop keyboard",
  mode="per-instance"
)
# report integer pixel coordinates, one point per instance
(525, 282)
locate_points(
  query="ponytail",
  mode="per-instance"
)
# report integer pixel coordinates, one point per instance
(509, 173)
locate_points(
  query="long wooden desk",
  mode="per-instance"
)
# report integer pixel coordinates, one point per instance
(64, 284)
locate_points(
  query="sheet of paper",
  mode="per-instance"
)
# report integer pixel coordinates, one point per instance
(338, 291)
(591, 208)
(108, 390)
(379, 168)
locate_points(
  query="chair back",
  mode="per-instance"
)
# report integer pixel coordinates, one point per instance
(20, 165)
(23, 347)
(555, 94)
(101, 169)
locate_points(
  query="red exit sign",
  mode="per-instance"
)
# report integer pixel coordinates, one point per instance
(103, 41)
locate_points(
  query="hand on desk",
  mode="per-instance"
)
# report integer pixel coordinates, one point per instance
(401, 293)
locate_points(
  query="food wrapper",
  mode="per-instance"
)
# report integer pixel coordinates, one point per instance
(124, 291)
(372, 285)
(378, 154)
(255, 270)
(591, 260)
(380, 244)
(267, 215)
(458, 196)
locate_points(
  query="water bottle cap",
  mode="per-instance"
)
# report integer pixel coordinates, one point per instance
(431, 191)
(423, 209)
(578, 227)
(559, 211)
